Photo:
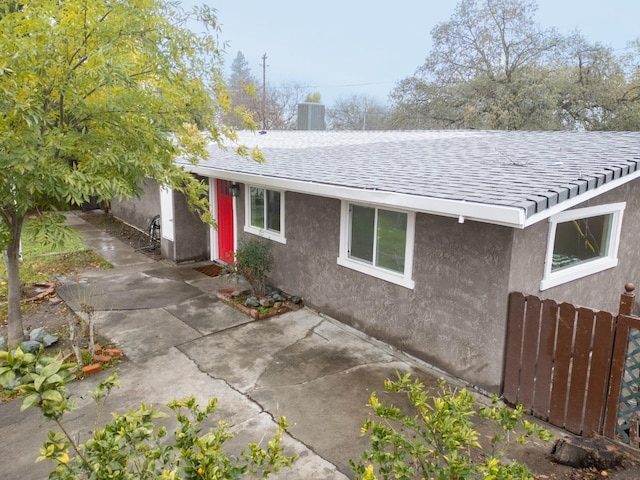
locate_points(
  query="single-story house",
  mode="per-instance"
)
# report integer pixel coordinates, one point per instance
(417, 237)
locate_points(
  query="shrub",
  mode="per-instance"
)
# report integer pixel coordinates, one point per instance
(254, 261)
(132, 445)
(438, 439)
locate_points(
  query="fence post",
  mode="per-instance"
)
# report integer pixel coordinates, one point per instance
(627, 300)
(618, 352)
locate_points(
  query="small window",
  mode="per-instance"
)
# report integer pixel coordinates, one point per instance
(265, 213)
(582, 242)
(377, 242)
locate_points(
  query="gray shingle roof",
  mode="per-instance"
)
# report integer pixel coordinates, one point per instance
(530, 171)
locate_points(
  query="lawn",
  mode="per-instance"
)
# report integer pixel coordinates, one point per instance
(44, 262)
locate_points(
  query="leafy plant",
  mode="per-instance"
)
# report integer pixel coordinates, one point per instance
(438, 439)
(132, 445)
(254, 261)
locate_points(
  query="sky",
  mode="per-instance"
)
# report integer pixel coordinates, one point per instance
(340, 48)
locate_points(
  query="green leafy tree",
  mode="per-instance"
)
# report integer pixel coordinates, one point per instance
(95, 96)
(493, 67)
(486, 70)
(313, 98)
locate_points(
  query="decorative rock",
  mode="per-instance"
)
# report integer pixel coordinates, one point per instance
(295, 299)
(266, 302)
(271, 291)
(30, 346)
(252, 302)
(277, 297)
(3, 344)
(277, 305)
(42, 336)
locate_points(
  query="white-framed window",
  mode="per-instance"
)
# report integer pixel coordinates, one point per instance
(378, 242)
(582, 242)
(264, 213)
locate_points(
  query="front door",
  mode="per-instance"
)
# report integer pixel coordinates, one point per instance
(224, 205)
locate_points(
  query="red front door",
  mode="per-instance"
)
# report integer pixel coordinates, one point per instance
(225, 220)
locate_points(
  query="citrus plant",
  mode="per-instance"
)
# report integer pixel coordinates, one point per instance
(134, 445)
(437, 439)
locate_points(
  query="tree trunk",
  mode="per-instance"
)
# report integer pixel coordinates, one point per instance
(11, 258)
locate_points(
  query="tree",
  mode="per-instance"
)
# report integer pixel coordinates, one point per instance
(589, 82)
(96, 96)
(486, 70)
(281, 100)
(358, 112)
(282, 105)
(243, 93)
(493, 67)
(313, 98)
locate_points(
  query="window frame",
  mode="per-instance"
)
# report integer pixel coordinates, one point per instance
(403, 279)
(277, 236)
(588, 267)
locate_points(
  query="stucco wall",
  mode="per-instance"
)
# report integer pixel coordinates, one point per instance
(455, 316)
(599, 291)
(191, 233)
(139, 211)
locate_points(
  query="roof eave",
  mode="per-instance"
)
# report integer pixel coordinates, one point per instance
(496, 214)
(583, 197)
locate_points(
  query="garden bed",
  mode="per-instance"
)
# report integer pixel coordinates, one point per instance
(238, 298)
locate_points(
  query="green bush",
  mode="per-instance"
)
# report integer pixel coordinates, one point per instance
(254, 261)
(438, 440)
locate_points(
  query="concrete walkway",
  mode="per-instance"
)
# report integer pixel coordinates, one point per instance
(180, 340)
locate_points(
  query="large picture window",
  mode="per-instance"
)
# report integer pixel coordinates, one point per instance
(378, 242)
(265, 213)
(582, 242)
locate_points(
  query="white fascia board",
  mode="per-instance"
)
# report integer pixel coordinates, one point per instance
(480, 212)
(588, 195)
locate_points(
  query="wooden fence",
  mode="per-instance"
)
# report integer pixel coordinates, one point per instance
(565, 364)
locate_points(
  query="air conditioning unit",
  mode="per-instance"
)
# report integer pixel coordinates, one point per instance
(311, 116)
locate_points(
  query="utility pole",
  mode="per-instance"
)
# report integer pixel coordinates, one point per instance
(264, 91)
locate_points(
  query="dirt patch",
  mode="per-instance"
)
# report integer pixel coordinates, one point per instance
(50, 313)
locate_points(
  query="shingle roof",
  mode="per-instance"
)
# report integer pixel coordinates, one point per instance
(529, 171)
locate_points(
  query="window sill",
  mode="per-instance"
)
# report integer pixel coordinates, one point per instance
(386, 275)
(579, 271)
(275, 236)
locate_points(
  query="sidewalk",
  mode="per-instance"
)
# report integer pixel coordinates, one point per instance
(179, 340)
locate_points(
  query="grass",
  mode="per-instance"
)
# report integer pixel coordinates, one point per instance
(44, 262)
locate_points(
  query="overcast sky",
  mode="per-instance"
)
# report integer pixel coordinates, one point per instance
(346, 47)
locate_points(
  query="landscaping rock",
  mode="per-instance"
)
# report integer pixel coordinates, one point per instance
(295, 299)
(42, 336)
(3, 344)
(30, 346)
(266, 302)
(252, 302)
(277, 297)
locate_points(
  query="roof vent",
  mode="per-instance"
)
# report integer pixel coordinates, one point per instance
(311, 116)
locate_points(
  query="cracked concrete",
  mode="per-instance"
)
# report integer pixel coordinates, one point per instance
(180, 340)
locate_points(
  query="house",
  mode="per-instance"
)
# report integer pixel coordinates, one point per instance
(417, 237)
